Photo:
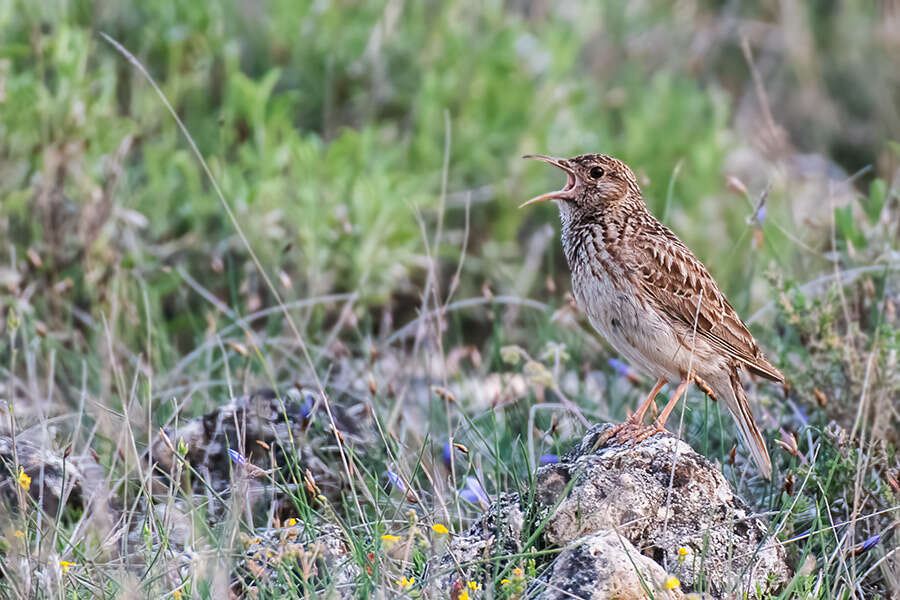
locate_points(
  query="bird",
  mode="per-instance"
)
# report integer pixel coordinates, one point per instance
(651, 298)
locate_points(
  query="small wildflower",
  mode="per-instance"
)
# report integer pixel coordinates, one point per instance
(868, 544)
(682, 554)
(672, 583)
(19, 534)
(396, 480)
(290, 522)
(518, 572)
(390, 539)
(176, 594)
(66, 565)
(511, 355)
(237, 457)
(448, 454)
(549, 459)
(622, 369)
(760, 215)
(474, 493)
(23, 479)
(474, 585)
(439, 528)
(554, 351)
(463, 595)
(306, 408)
(504, 582)
(406, 583)
(538, 373)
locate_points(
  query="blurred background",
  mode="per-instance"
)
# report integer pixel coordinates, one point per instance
(328, 126)
(371, 154)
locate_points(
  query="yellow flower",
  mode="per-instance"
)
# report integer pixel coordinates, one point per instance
(672, 583)
(66, 565)
(18, 534)
(176, 594)
(291, 522)
(682, 554)
(504, 582)
(463, 595)
(23, 479)
(474, 586)
(517, 573)
(406, 583)
(442, 529)
(390, 539)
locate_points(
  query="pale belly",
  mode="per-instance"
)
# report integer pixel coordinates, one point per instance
(638, 334)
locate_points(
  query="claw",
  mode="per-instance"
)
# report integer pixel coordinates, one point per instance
(628, 432)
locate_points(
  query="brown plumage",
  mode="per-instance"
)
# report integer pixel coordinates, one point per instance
(650, 297)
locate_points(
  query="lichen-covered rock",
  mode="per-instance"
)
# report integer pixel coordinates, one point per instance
(605, 566)
(241, 444)
(322, 562)
(498, 531)
(660, 506)
(76, 480)
(673, 504)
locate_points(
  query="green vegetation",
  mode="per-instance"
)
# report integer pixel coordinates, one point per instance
(370, 153)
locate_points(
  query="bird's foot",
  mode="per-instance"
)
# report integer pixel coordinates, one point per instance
(638, 432)
(630, 431)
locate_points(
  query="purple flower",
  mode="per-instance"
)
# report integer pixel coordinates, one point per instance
(619, 367)
(474, 493)
(549, 459)
(396, 480)
(237, 457)
(307, 406)
(761, 214)
(448, 454)
(869, 543)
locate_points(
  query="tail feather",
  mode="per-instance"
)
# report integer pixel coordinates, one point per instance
(736, 400)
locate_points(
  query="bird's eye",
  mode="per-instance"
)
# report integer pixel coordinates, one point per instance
(596, 173)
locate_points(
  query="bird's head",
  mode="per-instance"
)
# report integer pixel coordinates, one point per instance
(593, 180)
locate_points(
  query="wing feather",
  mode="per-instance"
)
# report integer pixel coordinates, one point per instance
(678, 282)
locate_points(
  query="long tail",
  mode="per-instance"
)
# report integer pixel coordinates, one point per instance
(735, 398)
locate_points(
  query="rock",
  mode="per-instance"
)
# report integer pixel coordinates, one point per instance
(605, 566)
(323, 562)
(627, 490)
(53, 478)
(498, 531)
(234, 447)
(613, 505)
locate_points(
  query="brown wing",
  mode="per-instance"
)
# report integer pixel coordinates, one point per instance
(677, 280)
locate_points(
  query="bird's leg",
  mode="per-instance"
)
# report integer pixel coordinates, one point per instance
(660, 423)
(634, 423)
(638, 417)
(640, 434)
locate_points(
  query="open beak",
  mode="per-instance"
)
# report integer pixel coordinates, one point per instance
(563, 194)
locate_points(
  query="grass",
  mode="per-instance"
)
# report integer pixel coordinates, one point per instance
(369, 156)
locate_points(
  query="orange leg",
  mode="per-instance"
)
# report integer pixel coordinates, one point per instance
(634, 425)
(638, 417)
(660, 423)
